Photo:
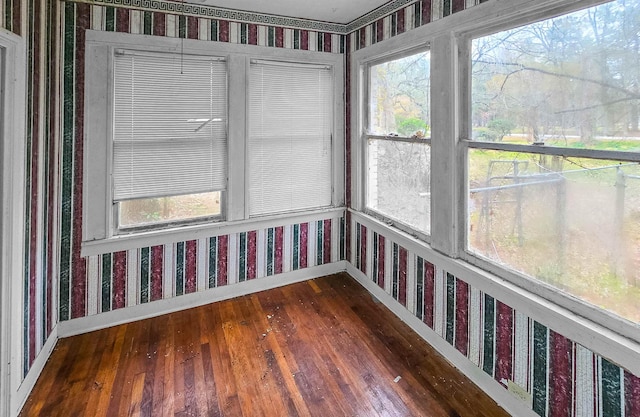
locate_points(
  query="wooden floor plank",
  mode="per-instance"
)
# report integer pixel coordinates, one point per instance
(322, 347)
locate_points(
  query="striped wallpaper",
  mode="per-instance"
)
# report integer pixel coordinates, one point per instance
(124, 279)
(59, 284)
(562, 377)
(404, 19)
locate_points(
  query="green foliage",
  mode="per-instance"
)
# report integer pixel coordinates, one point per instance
(409, 126)
(501, 127)
(484, 134)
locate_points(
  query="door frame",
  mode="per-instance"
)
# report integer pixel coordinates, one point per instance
(12, 203)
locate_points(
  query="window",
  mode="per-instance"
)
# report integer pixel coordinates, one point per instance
(532, 150)
(290, 128)
(169, 137)
(398, 141)
(205, 134)
(553, 172)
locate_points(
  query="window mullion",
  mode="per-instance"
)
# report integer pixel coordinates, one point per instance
(236, 128)
(445, 170)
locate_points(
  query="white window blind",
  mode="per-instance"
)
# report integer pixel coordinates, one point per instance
(289, 147)
(170, 118)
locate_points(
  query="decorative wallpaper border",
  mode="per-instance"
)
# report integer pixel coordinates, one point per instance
(438, 9)
(380, 12)
(197, 10)
(561, 377)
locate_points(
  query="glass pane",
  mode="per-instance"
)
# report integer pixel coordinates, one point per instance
(572, 81)
(573, 223)
(142, 212)
(398, 181)
(399, 97)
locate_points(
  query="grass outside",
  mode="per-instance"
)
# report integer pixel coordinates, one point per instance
(568, 233)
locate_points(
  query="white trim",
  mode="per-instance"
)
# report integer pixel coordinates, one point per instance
(601, 340)
(187, 301)
(12, 221)
(484, 381)
(161, 237)
(20, 397)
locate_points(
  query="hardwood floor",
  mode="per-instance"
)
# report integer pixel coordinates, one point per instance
(323, 347)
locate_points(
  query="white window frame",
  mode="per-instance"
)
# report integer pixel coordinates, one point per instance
(594, 328)
(12, 145)
(99, 234)
(366, 74)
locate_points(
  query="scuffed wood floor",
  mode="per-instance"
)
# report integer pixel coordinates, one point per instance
(322, 347)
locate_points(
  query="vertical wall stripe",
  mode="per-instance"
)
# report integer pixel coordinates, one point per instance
(202, 270)
(67, 160)
(475, 326)
(79, 274)
(213, 262)
(179, 263)
(560, 368)
(363, 249)
(279, 249)
(451, 308)
(251, 255)
(440, 304)
(611, 383)
(540, 351)
(583, 387)
(632, 395)
(402, 276)
(223, 271)
(106, 282)
(157, 264)
(168, 284)
(119, 280)
(429, 293)
(504, 343)
(95, 279)
(462, 317)
(327, 241)
(145, 275)
(489, 314)
(131, 284)
(233, 259)
(191, 274)
(159, 24)
(420, 278)
(521, 354)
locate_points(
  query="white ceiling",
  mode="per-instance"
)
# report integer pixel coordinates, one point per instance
(335, 11)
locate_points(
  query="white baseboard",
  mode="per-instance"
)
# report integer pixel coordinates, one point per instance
(500, 395)
(183, 302)
(21, 395)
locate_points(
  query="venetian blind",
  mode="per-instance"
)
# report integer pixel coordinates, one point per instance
(289, 146)
(170, 118)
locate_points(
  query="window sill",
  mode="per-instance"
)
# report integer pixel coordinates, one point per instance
(600, 339)
(199, 231)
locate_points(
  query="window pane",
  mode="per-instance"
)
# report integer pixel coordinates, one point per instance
(398, 181)
(573, 223)
(147, 211)
(572, 81)
(399, 97)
